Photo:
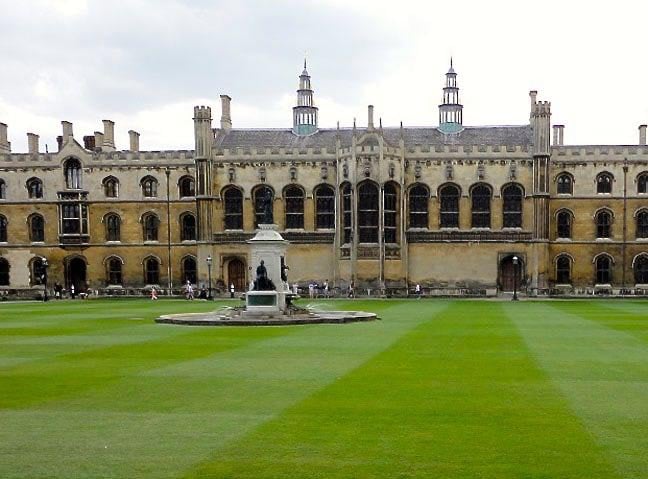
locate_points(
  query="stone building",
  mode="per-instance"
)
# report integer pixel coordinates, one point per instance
(448, 207)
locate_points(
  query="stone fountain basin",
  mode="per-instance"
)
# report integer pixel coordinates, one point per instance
(233, 317)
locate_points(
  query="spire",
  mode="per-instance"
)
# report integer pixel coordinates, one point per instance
(305, 113)
(450, 110)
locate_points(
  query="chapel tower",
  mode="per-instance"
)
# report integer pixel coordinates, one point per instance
(305, 113)
(450, 110)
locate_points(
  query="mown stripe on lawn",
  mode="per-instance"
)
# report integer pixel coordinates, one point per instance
(456, 397)
(602, 372)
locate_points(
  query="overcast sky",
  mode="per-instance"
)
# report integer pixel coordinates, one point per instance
(146, 63)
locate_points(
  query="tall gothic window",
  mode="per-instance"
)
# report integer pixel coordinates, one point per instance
(72, 171)
(259, 195)
(187, 186)
(4, 272)
(149, 187)
(188, 232)
(641, 269)
(481, 206)
(3, 229)
(233, 209)
(390, 207)
(603, 224)
(565, 184)
(34, 188)
(294, 197)
(324, 207)
(150, 223)
(347, 212)
(189, 270)
(642, 183)
(151, 271)
(418, 206)
(449, 203)
(368, 212)
(512, 209)
(603, 270)
(563, 269)
(36, 228)
(604, 183)
(563, 224)
(111, 187)
(113, 227)
(3, 190)
(642, 224)
(114, 271)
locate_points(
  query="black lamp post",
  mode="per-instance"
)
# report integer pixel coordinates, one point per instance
(45, 266)
(515, 277)
(209, 263)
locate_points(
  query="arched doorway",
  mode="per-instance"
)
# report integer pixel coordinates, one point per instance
(75, 274)
(236, 274)
(510, 275)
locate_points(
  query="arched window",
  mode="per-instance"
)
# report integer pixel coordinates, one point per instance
(37, 271)
(324, 207)
(642, 183)
(111, 187)
(481, 204)
(114, 271)
(512, 206)
(564, 224)
(4, 272)
(347, 212)
(151, 270)
(3, 190)
(604, 183)
(149, 187)
(603, 224)
(418, 206)
(150, 223)
(113, 227)
(36, 228)
(188, 232)
(603, 270)
(563, 269)
(72, 171)
(642, 224)
(368, 212)
(390, 208)
(189, 270)
(259, 198)
(641, 269)
(233, 209)
(35, 188)
(3, 229)
(187, 186)
(565, 184)
(449, 206)
(294, 197)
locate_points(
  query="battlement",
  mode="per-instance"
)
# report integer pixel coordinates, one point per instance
(202, 113)
(542, 108)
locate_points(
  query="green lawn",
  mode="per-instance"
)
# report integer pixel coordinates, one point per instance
(457, 389)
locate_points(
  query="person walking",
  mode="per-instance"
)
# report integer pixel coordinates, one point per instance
(153, 294)
(417, 290)
(326, 289)
(189, 290)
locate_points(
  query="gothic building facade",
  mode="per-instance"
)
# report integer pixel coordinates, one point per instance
(450, 207)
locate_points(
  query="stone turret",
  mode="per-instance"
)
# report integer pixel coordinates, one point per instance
(450, 110)
(5, 146)
(305, 113)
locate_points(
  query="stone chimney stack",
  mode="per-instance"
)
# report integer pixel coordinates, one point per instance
(67, 131)
(642, 134)
(558, 135)
(32, 143)
(370, 117)
(5, 146)
(226, 117)
(561, 135)
(555, 135)
(134, 140)
(99, 139)
(109, 135)
(533, 95)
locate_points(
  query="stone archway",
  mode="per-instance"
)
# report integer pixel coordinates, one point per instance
(509, 273)
(76, 274)
(236, 274)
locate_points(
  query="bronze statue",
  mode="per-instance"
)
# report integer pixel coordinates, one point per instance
(262, 282)
(266, 204)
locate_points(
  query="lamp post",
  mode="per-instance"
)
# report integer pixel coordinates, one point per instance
(45, 266)
(515, 277)
(209, 263)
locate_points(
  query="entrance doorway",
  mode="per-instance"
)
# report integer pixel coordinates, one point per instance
(75, 274)
(510, 273)
(236, 274)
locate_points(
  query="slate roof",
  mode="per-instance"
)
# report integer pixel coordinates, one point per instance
(325, 138)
